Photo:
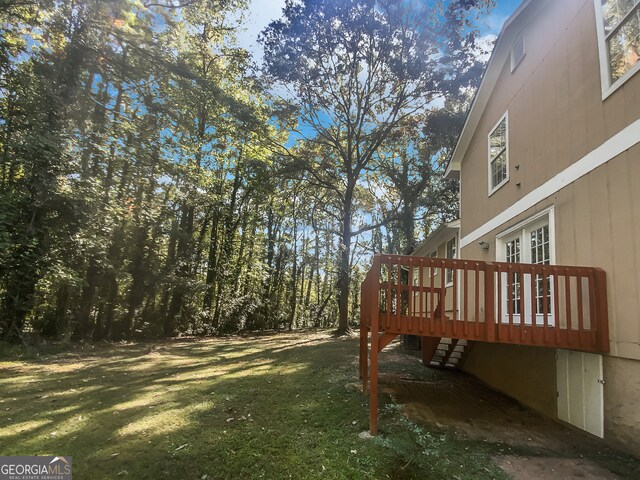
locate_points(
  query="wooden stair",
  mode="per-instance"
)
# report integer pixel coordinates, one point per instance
(443, 352)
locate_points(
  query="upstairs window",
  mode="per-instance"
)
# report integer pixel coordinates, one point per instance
(619, 38)
(498, 155)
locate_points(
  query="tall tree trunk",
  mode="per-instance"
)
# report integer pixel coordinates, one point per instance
(293, 300)
(344, 273)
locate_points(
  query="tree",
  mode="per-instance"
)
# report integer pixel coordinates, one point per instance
(357, 70)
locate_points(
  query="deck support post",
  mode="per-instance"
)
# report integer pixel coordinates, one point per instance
(429, 346)
(373, 387)
(363, 332)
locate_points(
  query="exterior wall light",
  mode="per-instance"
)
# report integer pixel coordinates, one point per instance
(484, 246)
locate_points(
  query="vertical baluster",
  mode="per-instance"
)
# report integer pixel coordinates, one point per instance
(592, 308)
(545, 305)
(556, 305)
(454, 301)
(498, 325)
(442, 303)
(510, 299)
(388, 293)
(410, 294)
(398, 294)
(489, 299)
(465, 296)
(476, 305)
(580, 309)
(567, 292)
(432, 308)
(522, 303)
(533, 290)
(422, 307)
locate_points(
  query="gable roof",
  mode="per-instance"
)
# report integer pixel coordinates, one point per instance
(508, 35)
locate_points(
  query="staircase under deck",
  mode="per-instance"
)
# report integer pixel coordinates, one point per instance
(523, 304)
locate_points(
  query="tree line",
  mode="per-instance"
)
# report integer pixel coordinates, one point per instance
(155, 181)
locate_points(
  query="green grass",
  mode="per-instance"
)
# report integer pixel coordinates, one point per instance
(279, 406)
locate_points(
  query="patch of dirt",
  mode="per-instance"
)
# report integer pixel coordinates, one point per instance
(476, 411)
(455, 401)
(535, 468)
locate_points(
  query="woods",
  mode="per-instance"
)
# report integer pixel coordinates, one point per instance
(156, 181)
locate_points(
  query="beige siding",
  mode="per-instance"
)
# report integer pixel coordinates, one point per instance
(527, 374)
(622, 403)
(556, 117)
(556, 112)
(597, 223)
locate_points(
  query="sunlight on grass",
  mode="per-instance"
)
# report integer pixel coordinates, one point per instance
(160, 423)
(280, 406)
(23, 427)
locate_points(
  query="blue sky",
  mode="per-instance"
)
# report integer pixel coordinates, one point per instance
(262, 12)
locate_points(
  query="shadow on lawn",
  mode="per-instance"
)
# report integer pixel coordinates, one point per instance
(258, 407)
(241, 408)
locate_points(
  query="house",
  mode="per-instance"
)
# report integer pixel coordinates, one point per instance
(546, 285)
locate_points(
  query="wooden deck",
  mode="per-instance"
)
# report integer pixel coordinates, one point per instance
(540, 305)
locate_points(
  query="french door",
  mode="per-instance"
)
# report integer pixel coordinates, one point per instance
(532, 243)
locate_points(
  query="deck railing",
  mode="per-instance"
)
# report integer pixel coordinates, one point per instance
(543, 305)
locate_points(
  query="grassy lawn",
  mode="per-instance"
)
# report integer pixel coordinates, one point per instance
(280, 406)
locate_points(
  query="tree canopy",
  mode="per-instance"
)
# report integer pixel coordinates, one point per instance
(154, 181)
(359, 72)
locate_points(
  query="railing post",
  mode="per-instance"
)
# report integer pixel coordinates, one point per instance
(373, 381)
(602, 311)
(489, 302)
(364, 308)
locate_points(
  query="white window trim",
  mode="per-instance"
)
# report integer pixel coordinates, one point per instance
(607, 87)
(492, 190)
(614, 146)
(549, 214)
(515, 65)
(456, 256)
(546, 216)
(434, 254)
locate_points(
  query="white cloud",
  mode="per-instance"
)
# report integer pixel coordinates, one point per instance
(484, 46)
(259, 15)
